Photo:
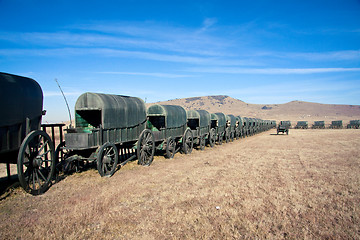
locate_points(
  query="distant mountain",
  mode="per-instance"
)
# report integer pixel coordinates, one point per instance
(293, 111)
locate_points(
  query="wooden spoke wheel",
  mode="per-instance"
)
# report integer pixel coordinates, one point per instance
(146, 148)
(107, 159)
(170, 147)
(36, 162)
(212, 137)
(187, 142)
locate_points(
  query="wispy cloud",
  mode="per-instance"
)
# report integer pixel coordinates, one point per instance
(154, 74)
(271, 71)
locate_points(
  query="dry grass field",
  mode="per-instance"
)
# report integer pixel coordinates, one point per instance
(305, 185)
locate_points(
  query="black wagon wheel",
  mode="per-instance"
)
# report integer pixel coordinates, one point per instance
(170, 147)
(188, 142)
(36, 162)
(212, 137)
(146, 148)
(107, 159)
(202, 142)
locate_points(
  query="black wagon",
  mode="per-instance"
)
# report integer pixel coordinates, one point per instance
(199, 121)
(230, 128)
(218, 122)
(284, 127)
(105, 124)
(168, 123)
(21, 140)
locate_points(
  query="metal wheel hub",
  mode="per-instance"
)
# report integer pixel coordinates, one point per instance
(37, 162)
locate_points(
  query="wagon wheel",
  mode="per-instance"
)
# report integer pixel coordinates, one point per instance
(146, 148)
(202, 143)
(36, 162)
(231, 136)
(63, 163)
(227, 136)
(107, 159)
(212, 137)
(170, 147)
(187, 141)
(220, 140)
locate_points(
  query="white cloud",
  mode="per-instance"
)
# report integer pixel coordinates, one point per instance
(271, 71)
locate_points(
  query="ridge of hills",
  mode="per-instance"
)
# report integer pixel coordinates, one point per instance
(293, 111)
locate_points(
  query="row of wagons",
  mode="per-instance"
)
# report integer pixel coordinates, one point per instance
(338, 124)
(105, 124)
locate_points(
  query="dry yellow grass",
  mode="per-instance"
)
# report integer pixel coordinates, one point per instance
(302, 186)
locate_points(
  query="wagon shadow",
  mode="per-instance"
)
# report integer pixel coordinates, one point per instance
(8, 185)
(274, 134)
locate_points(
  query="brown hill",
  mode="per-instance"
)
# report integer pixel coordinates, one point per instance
(293, 111)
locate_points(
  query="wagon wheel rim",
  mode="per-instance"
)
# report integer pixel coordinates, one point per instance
(146, 148)
(36, 162)
(212, 137)
(170, 147)
(188, 141)
(107, 159)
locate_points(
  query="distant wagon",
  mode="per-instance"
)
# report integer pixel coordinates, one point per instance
(238, 127)
(318, 125)
(336, 124)
(105, 124)
(199, 121)
(302, 125)
(168, 124)
(284, 127)
(230, 128)
(247, 127)
(21, 140)
(218, 122)
(354, 124)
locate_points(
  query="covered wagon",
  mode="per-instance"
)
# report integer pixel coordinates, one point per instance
(199, 121)
(169, 126)
(354, 124)
(218, 122)
(104, 124)
(21, 140)
(336, 124)
(318, 125)
(302, 125)
(230, 128)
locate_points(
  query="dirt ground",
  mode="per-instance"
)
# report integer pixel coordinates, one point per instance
(305, 185)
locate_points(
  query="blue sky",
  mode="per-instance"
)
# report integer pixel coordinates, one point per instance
(257, 51)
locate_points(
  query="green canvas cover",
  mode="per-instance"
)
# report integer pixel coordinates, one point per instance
(111, 111)
(232, 119)
(202, 115)
(175, 116)
(220, 117)
(20, 98)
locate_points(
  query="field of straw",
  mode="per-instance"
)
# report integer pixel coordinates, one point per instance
(305, 185)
